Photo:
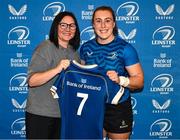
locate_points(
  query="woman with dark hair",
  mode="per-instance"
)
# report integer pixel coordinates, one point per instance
(49, 59)
(122, 64)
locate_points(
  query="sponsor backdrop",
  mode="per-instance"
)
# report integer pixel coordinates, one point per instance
(150, 26)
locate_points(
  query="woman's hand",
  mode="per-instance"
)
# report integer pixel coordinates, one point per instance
(113, 75)
(63, 65)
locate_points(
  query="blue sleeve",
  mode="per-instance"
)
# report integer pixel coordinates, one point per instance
(130, 55)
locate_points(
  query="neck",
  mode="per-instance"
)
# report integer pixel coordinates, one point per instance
(63, 44)
(105, 40)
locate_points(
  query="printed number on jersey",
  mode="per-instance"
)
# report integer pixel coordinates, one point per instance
(84, 97)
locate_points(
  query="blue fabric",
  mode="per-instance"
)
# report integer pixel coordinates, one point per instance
(83, 93)
(113, 56)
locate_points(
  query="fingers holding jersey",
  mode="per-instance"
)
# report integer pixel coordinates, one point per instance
(113, 75)
(63, 64)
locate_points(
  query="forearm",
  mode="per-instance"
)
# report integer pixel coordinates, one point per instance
(136, 77)
(136, 82)
(41, 78)
(133, 82)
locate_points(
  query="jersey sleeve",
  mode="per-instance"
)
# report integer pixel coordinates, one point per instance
(115, 92)
(117, 96)
(130, 55)
(56, 88)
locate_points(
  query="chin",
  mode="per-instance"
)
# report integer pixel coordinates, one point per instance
(103, 37)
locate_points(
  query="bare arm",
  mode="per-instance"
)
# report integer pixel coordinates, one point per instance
(41, 78)
(136, 76)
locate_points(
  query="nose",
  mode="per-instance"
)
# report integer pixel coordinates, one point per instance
(68, 28)
(103, 24)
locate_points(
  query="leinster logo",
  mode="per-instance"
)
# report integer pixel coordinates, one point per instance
(164, 33)
(18, 83)
(161, 128)
(162, 83)
(87, 34)
(127, 12)
(163, 80)
(19, 32)
(129, 8)
(52, 9)
(112, 55)
(18, 127)
(134, 104)
(18, 36)
(164, 36)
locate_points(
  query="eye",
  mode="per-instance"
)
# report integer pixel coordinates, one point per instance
(63, 25)
(72, 25)
(108, 20)
(98, 21)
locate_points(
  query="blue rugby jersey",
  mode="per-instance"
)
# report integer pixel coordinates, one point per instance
(113, 56)
(83, 91)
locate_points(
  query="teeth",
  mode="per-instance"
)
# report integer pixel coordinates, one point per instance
(103, 31)
(67, 34)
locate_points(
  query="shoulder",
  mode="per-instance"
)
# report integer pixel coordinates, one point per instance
(44, 46)
(130, 49)
(121, 42)
(89, 42)
(127, 46)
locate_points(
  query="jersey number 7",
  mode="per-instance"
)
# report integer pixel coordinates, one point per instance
(84, 97)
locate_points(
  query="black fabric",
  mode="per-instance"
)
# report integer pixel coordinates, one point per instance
(40, 127)
(118, 118)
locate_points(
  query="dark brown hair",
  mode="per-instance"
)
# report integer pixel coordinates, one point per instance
(53, 34)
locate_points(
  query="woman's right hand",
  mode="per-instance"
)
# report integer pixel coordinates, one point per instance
(63, 65)
(40, 78)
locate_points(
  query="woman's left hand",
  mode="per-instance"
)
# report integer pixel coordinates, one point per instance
(113, 75)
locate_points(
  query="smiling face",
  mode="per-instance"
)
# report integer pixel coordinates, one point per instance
(103, 24)
(66, 29)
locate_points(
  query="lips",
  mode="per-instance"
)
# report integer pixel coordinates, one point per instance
(66, 34)
(103, 31)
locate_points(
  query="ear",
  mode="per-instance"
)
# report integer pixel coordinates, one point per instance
(114, 24)
(93, 25)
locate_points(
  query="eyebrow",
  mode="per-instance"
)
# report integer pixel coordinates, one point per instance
(105, 18)
(67, 23)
